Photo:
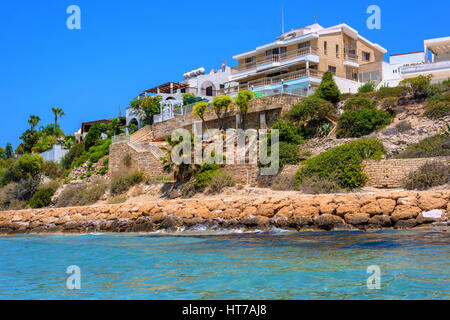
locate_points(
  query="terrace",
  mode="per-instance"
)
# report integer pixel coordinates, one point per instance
(274, 60)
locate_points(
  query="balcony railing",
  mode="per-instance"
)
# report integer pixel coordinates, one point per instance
(274, 58)
(351, 57)
(272, 80)
(425, 67)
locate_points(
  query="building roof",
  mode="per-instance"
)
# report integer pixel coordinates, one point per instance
(402, 54)
(438, 45)
(307, 33)
(165, 88)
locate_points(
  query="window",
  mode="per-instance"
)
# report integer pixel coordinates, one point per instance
(304, 46)
(337, 51)
(249, 62)
(366, 56)
(332, 69)
(325, 47)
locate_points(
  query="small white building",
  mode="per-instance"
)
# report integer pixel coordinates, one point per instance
(196, 82)
(434, 60)
(55, 154)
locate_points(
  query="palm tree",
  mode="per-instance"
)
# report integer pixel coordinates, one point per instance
(58, 113)
(33, 121)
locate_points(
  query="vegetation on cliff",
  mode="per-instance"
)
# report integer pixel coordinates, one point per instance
(344, 163)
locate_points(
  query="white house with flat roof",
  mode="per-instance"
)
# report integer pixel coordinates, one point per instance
(434, 60)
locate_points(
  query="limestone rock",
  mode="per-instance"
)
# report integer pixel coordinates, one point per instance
(328, 221)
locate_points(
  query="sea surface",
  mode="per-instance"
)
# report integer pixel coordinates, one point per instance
(278, 265)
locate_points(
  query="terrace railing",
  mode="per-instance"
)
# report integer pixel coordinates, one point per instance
(275, 58)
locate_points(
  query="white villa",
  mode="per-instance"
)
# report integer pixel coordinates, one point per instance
(196, 82)
(413, 64)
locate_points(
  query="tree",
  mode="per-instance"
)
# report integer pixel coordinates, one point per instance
(33, 121)
(200, 109)
(30, 138)
(243, 102)
(8, 151)
(146, 107)
(328, 90)
(57, 113)
(92, 136)
(29, 166)
(220, 106)
(115, 127)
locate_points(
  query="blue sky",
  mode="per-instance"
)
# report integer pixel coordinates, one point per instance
(124, 47)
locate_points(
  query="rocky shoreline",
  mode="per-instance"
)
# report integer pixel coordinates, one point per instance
(383, 210)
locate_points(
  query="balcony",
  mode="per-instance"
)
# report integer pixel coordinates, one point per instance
(426, 67)
(274, 58)
(267, 81)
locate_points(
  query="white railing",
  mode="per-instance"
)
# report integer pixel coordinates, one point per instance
(425, 67)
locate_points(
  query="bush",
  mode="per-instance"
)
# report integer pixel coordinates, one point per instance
(74, 153)
(283, 182)
(123, 182)
(51, 169)
(435, 146)
(289, 153)
(42, 198)
(312, 108)
(126, 160)
(328, 90)
(343, 162)
(389, 92)
(360, 123)
(29, 166)
(317, 185)
(288, 132)
(220, 180)
(418, 87)
(403, 126)
(121, 198)
(428, 175)
(188, 189)
(204, 175)
(438, 107)
(367, 87)
(82, 194)
(7, 195)
(358, 103)
(390, 105)
(92, 137)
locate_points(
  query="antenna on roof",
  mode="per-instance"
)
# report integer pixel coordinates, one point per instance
(282, 20)
(120, 112)
(315, 18)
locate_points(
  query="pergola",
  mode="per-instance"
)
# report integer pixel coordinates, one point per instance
(169, 88)
(437, 46)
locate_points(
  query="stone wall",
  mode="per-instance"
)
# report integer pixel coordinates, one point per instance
(302, 212)
(140, 161)
(391, 173)
(272, 106)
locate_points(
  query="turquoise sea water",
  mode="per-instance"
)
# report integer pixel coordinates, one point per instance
(307, 265)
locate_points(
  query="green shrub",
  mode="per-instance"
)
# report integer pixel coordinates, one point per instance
(358, 103)
(312, 108)
(428, 175)
(289, 153)
(103, 170)
(42, 198)
(435, 146)
(389, 104)
(74, 153)
(29, 166)
(89, 174)
(389, 92)
(188, 189)
(418, 87)
(204, 175)
(367, 87)
(288, 132)
(343, 162)
(446, 82)
(51, 169)
(360, 123)
(438, 106)
(220, 180)
(328, 90)
(92, 137)
(283, 182)
(317, 185)
(123, 182)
